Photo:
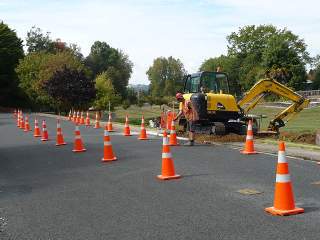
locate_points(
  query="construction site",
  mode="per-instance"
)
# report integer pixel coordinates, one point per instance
(176, 120)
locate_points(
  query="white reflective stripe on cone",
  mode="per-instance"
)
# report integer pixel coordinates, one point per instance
(282, 157)
(77, 128)
(283, 178)
(107, 143)
(249, 127)
(249, 137)
(166, 155)
(106, 133)
(77, 137)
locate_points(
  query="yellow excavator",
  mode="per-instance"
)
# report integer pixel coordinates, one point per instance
(219, 111)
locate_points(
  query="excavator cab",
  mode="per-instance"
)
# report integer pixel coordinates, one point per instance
(207, 82)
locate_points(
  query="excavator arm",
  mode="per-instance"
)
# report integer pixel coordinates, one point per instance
(265, 87)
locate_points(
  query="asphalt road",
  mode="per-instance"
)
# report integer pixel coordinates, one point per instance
(49, 192)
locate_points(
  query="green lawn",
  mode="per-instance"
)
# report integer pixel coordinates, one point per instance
(308, 120)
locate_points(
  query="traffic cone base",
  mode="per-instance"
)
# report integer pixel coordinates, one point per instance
(248, 153)
(161, 177)
(278, 212)
(60, 144)
(143, 138)
(81, 150)
(109, 160)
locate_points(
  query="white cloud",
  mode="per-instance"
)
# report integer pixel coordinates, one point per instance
(189, 30)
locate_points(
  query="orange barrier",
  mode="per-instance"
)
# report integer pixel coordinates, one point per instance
(249, 146)
(36, 132)
(283, 195)
(88, 120)
(27, 126)
(143, 132)
(78, 144)
(108, 154)
(97, 123)
(45, 136)
(126, 130)
(59, 139)
(173, 135)
(168, 171)
(109, 124)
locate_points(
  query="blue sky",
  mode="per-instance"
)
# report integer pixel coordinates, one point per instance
(190, 30)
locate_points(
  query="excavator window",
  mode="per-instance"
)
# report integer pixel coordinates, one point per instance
(213, 82)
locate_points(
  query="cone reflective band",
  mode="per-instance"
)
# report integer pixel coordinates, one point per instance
(59, 139)
(249, 146)
(36, 132)
(126, 130)
(283, 195)
(173, 135)
(167, 170)
(108, 154)
(27, 126)
(87, 120)
(45, 136)
(81, 119)
(78, 145)
(78, 118)
(143, 132)
(97, 123)
(109, 124)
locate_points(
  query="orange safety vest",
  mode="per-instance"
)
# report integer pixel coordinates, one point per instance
(188, 111)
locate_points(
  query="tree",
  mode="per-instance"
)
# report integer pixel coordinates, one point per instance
(165, 76)
(38, 41)
(10, 52)
(263, 49)
(316, 81)
(38, 67)
(70, 88)
(103, 58)
(105, 93)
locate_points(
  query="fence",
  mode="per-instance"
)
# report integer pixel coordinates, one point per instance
(310, 93)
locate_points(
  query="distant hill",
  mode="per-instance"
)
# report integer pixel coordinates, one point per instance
(139, 87)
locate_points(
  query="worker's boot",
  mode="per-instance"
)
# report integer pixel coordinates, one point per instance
(189, 143)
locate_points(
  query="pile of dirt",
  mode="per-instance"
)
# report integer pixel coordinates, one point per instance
(309, 138)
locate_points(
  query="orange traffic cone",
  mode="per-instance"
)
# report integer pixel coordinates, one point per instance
(283, 196)
(36, 132)
(70, 116)
(87, 120)
(168, 171)
(97, 123)
(27, 126)
(18, 119)
(143, 132)
(82, 119)
(107, 149)
(249, 147)
(15, 113)
(173, 135)
(78, 118)
(109, 124)
(74, 116)
(59, 139)
(126, 130)
(78, 144)
(21, 126)
(45, 136)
